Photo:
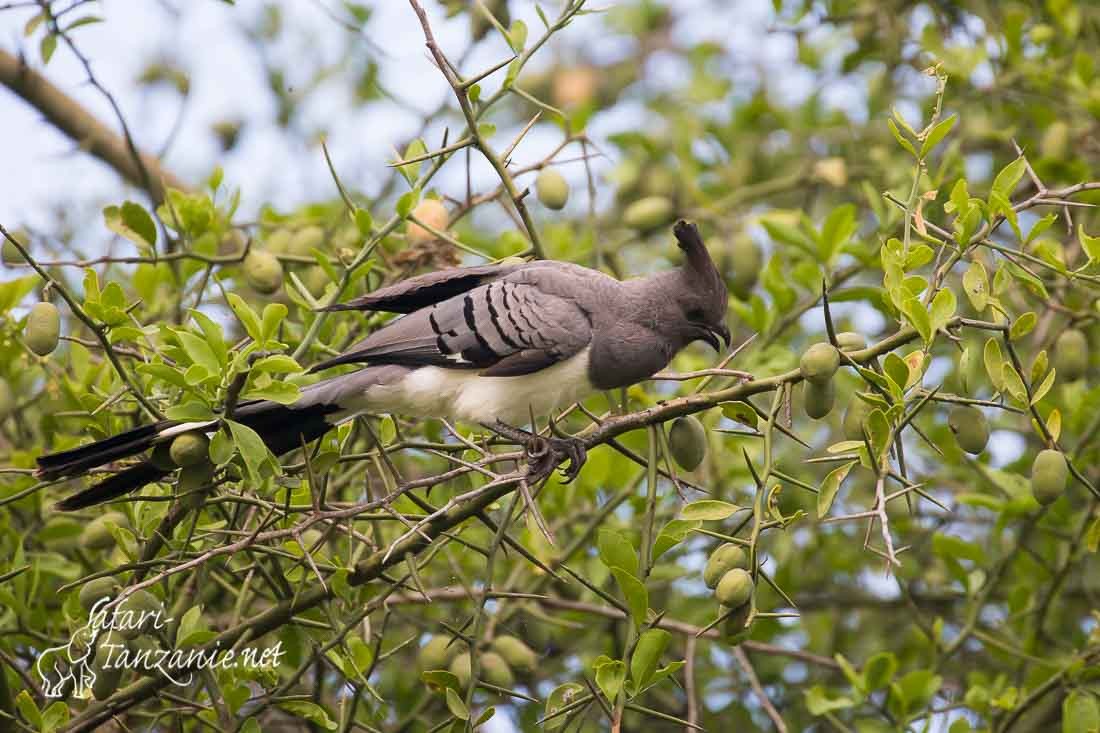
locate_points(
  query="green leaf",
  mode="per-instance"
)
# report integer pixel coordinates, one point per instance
(132, 222)
(617, 552)
(309, 711)
(47, 46)
(818, 701)
(456, 705)
(274, 315)
(993, 364)
(901, 140)
(673, 534)
(915, 313)
(246, 316)
(25, 703)
(976, 285)
(610, 676)
(1006, 181)
(943, 309)
(411, 171)
(562, 696)
(1041, 391)
(1022, 326)
(830, 486)
(192, 411)
(879, 671)
(637, 598)
(251, 446)
(947, 545)
(199, 351)
(364, 222)
(838, 228)
(647, 655)
(1013, 383)
(1090, 245)
(407, 202)
(936, 134)
(1080, 713)
(708, 509)
(740, 412)
(517, 36)
(277, 364)
(54, 717)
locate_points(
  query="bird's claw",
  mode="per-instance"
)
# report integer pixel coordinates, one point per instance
(544, 454)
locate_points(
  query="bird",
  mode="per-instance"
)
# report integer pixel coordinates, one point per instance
(495, 345)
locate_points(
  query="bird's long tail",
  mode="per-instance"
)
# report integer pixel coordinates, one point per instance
(282, 428)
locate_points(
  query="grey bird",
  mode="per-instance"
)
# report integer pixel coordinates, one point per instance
(492, 344)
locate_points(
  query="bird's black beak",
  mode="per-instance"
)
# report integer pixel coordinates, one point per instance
(710, 334)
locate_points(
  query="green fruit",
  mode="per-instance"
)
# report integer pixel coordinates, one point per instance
(263, 271)
(649, 213)
(278, 241)
(97, 535)
(93, 590)
(106, 665)
(851, 341)
(818, 399)
(746, 259)
(687, 441)
(43, 328)
(143, 654)
(727, 557)
(517, 654)
(735, 588)
(10, 254)
(305, 240)
(316, 280)
(194, 483)
(437, 653)
(1049, 476)
(735, 627)
(1071, 355)
(137, 613)
(496, 671)
(552, 188)
(460, 668)
(161, 457)
(970, 427)
(190, 449)
(855, 417)
(819, 363)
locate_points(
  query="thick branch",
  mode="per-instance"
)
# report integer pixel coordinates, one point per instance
(67, 115)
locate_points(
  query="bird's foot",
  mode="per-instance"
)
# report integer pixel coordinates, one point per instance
(545, 454)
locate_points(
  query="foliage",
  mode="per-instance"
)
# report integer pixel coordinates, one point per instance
(943, 212)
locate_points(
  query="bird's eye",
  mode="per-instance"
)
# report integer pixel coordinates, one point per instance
(695, 314)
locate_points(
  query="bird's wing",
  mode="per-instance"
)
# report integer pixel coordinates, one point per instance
(506, 327)
(422, 291)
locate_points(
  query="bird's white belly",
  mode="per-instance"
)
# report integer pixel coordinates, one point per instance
(466, 395)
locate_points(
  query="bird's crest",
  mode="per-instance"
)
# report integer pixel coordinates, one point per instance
(698, 265)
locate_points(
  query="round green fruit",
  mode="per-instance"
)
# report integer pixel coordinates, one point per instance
(306, 240)
(190, 449)
(92, 591)
(10, 254)
(818, 399)
(851, 341)
(161, 457)
(517, 654)
(553, 190)
(687, 441)
(263, 271)
(735, 588)
(460, 668)
(1049, 476)
(278, 241)
(97, 534)
(649, 213)
(727, 557)
(1071, 355)
(437, 653)
(970, 427)
(138, 612)
(106, 665)
(496, 671)
(819, 363)
(746, 259)
(43, 328)
(855, 417)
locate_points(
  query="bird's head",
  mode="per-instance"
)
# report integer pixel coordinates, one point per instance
(703, 299)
